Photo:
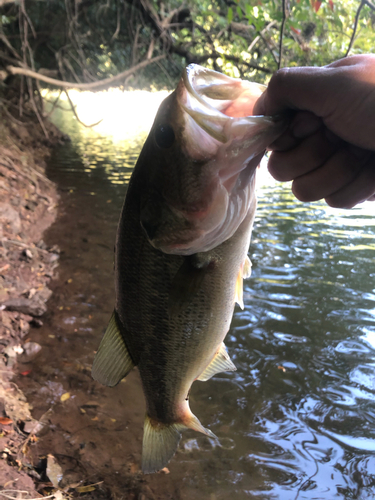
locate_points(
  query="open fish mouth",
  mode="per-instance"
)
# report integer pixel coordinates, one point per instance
(205, 184)
(222, 107)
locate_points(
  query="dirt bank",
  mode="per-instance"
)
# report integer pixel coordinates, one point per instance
(28, 202)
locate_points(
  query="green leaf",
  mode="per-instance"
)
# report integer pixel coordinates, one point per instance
(230, 15)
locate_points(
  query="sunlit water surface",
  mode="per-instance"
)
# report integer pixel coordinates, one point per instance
(297, 419)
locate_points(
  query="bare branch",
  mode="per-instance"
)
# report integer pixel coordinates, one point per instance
(75, 112)
(361, 5)
(82, 86)
(282, 28)
(116, 33)
(370, 4)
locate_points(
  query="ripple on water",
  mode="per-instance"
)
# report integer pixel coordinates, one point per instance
(364, 375)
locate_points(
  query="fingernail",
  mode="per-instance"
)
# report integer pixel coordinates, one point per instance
(305, 124)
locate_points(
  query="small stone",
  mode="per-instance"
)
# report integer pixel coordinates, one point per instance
(26, 306)
(31, 348)
(11, 217)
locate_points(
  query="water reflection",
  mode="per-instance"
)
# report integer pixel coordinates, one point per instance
(297, 419)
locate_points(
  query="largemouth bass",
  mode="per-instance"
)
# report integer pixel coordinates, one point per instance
(181, 250)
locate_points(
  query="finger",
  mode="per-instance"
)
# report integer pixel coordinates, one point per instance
(324, 92)
(307, 156)
(301, 126)
(337, 172)
(361, 189)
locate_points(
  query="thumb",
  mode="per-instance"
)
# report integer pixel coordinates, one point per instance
(259, 106)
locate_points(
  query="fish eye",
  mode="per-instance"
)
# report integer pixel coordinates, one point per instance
(164, 136)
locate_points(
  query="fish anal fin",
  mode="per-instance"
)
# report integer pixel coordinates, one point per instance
(191, 422)
(220, 363)
(160, 442)
(112, 362)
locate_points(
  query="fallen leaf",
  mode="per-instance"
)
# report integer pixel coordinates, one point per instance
(6, 421)
(65, 396)
(54, 471)
(85, 489)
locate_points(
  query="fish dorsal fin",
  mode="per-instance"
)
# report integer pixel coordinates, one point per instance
(246, 273)
(112, 361)
(220, 363)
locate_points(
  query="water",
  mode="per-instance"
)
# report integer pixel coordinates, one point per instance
(297, 419)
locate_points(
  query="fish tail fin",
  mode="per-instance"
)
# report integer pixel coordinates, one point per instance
(160, 442)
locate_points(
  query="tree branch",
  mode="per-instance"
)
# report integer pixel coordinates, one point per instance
(73, 108)
(360, 7)
(282, 28)
(198, 59)
(82, 86)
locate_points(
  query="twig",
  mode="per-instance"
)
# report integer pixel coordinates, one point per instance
(282, 34)
(3, 493)
(116, 33)
(24, 245)
(75, 112)
(13, 70)
(361, 5)
(257, 38)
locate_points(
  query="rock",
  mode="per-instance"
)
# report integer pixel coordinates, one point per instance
(31, 348)
(27, 253)
(26, 306)
(11, 217)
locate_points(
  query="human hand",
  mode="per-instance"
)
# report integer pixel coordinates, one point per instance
(328, 149)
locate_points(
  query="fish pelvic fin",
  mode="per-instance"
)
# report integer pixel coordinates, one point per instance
(160, 441)
(221, 362)
(244, 272)
(112, 362)
(246, 268)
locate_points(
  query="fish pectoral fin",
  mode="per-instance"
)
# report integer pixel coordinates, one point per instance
(185, 285)
(160, 442)
(112, 362)
(220, 363)
(246, 272)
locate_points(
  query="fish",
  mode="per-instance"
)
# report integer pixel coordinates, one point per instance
(181, 250)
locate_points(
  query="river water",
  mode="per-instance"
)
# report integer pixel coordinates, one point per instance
(297, 419)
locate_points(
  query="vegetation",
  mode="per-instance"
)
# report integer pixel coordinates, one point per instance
(92, 45)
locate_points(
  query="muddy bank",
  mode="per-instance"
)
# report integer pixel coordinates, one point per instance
(28, 205)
